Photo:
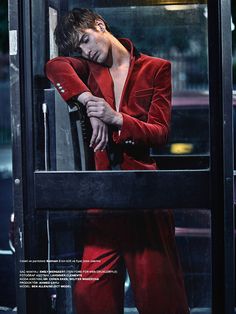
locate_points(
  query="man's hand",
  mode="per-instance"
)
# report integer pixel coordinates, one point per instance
(99, 108)
(99, 137)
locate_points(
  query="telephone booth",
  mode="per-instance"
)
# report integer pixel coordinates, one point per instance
(54, 180)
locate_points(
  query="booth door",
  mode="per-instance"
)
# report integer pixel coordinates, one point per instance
(54, 180)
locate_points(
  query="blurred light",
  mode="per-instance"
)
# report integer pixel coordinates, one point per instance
(181, 148)
(180, 7)
(232, 25)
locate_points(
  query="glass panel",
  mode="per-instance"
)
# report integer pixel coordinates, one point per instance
(174, 32)
(67, 238)
(53, 17)
(193, 237)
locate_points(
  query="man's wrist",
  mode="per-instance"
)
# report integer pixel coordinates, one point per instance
(83, 97)
(118, 120)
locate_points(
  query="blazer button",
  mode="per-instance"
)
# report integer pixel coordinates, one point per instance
(58, 84)
(60, 87)
(62, 91)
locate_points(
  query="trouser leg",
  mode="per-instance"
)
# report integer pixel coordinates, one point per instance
(100, 260)
(153, 266)
(147, 243)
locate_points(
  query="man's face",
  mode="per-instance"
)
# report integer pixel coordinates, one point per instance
(94, 45)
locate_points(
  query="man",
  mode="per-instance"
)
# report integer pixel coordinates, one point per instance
(127, 95)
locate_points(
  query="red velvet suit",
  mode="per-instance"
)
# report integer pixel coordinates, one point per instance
(144, 243)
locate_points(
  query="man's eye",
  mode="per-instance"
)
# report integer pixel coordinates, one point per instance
(85, 39)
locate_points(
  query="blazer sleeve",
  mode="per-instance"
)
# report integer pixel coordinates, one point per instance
(68, 75)
(155, 131)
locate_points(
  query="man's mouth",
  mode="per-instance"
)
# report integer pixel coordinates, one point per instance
(94, 56)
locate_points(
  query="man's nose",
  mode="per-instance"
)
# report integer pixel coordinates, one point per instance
(86, 51)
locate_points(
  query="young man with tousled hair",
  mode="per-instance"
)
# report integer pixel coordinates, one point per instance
(128, 99)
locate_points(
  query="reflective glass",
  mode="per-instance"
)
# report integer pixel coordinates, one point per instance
(174, 32)
(67, 238)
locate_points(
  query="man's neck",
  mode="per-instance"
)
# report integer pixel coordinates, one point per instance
(120, 56)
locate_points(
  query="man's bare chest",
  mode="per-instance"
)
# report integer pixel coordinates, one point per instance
(119, 77)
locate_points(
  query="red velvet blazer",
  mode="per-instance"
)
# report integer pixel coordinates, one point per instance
(145, 102)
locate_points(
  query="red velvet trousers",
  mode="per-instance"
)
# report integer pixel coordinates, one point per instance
(144, 244)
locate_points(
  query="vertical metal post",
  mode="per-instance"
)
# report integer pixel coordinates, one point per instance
(15, 96)
(28, 300)
(35, 225)
(221, 159)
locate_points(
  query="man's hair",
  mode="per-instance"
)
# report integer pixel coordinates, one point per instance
(66, 31)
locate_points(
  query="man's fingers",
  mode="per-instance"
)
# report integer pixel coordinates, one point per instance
(94, 114)
(94, 136)
(95, 111)
(100, 146)
(92, 103)
(99, 136)
(92, 109)
(104, 139)
(95, 106)
(92, 98)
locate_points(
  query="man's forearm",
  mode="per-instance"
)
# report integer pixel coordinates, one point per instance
(99, 108)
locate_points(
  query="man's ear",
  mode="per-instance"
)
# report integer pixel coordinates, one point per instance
(100, 26)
